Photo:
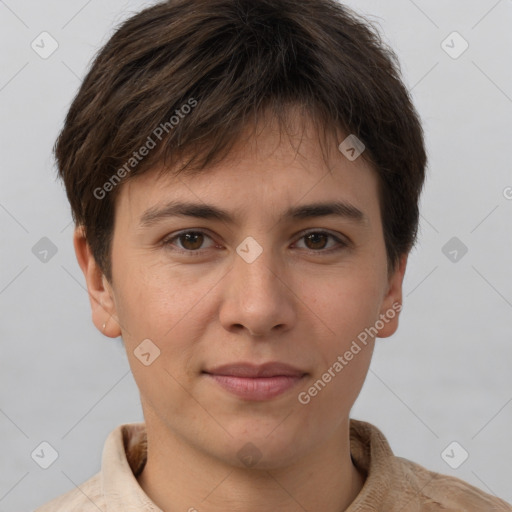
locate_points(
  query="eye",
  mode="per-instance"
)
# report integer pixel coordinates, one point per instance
(317, 241)
(189, 241)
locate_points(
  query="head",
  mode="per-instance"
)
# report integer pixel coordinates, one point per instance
(241, 106)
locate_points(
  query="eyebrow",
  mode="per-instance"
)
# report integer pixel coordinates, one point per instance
(157, 213)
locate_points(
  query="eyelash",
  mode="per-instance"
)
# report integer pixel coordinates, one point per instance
(168, 242)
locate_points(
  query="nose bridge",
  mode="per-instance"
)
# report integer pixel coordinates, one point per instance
(257, 298)
(257, 271)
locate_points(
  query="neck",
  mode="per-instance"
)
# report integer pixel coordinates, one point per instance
(179, 477)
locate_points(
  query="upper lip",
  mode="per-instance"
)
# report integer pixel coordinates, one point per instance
(243, 369)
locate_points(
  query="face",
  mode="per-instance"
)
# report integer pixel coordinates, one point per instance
(268, 280)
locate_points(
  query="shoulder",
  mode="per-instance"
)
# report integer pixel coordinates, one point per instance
(396, 484)
(439, 492)
(87, 497)
(115, 486)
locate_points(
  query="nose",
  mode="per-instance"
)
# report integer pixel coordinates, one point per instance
(258, 297)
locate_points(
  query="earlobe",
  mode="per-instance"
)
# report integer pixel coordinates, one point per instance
(387, 324)
(101, 297)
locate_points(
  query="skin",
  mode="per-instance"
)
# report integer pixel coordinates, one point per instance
(301, 302)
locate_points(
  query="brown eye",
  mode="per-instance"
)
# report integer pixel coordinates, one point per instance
(191, 240)
(316, 240)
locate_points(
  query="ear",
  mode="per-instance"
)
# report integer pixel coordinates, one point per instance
(100, 291)
(392, 302)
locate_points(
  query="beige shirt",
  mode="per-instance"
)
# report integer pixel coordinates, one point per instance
(392, 483)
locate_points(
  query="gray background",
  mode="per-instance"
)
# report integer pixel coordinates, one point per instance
(444, 377)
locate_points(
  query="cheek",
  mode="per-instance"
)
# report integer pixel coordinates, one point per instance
(347, 303)
(163, 307)
(348, 307)
(171, 306)
(159, 298)
(348, 311)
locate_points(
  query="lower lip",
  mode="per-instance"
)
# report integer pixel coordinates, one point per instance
(256, 388)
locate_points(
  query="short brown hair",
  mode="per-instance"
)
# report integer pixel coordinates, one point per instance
(235, 58)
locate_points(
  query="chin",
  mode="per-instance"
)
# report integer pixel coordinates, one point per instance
(271, 446)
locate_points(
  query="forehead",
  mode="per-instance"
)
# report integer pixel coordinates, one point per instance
(267, 171)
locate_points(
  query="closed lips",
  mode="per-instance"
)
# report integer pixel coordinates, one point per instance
(249, 370)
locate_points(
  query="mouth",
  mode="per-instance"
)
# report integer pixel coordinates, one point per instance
(257, 383)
